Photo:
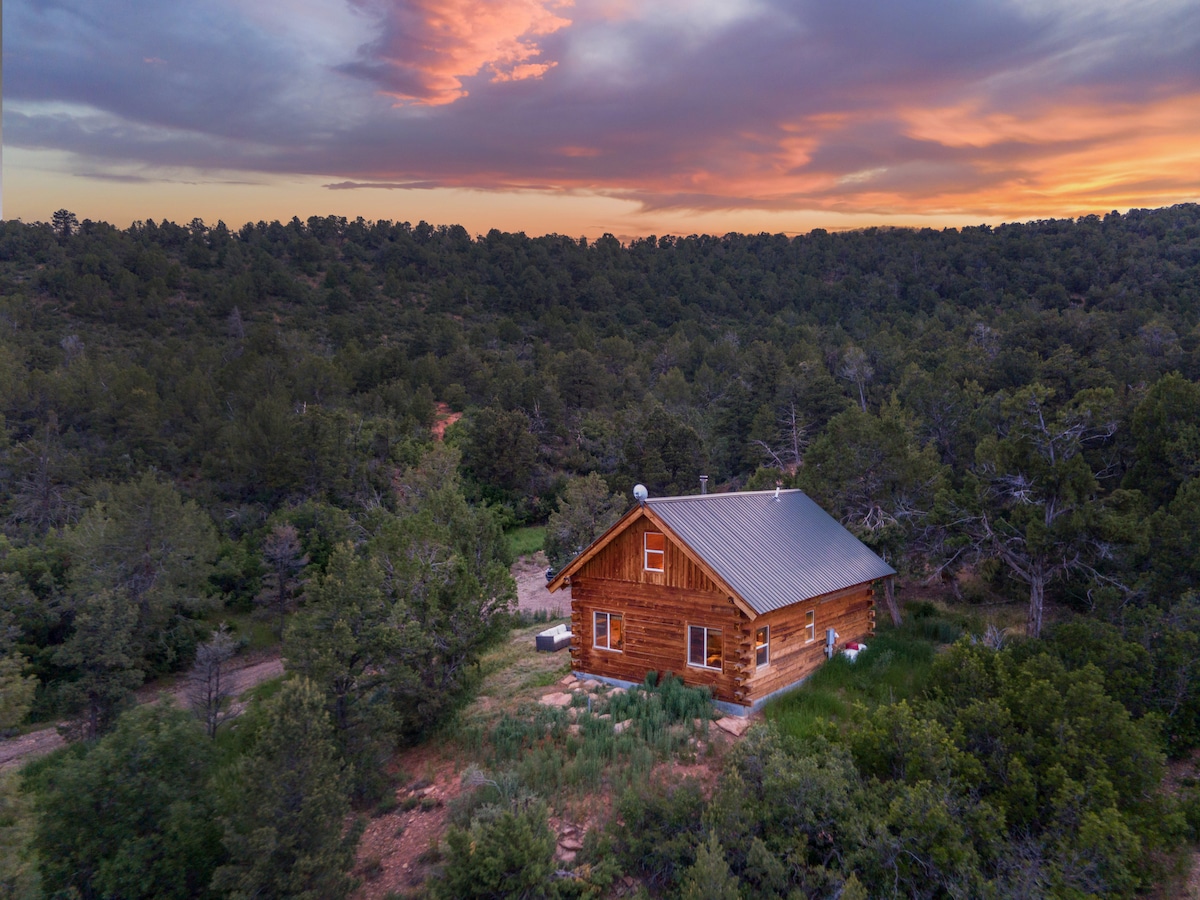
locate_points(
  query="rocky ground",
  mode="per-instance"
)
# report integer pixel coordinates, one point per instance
(399, 849)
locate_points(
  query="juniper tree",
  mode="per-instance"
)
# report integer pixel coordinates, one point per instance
(286, 806)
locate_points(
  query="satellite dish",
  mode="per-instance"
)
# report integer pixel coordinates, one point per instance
(640, 493)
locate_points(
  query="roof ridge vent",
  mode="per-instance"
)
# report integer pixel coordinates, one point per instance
(778, 485)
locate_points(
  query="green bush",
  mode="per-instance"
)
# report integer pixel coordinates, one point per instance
(655, 832)
(508, 851)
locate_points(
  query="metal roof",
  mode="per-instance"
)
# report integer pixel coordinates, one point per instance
(773, 552)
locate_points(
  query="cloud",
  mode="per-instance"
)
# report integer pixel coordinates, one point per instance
(977, 107)
(429, 48)
(382, 185)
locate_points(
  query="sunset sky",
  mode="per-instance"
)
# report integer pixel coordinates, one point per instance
(590, 116)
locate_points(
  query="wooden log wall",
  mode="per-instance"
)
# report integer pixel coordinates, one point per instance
(851, 613)
(655, 620)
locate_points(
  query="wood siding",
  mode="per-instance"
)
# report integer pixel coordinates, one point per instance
(850, 613)
(622, 560)
(655, 621)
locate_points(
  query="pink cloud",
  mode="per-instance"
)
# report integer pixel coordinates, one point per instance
(430, 47)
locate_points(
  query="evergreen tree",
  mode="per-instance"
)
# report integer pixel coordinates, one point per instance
(585, 510)
(709, 878)
(146, 544)
(16, 690)
(101, 654)
(348, 643)
(19, 876)
(286, 806)
(132, 816)
(506, 852)
(1035, 497)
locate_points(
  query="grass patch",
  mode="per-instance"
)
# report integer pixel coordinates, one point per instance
(526, 541)
(894, 666)
(264, 690)
(252, 632)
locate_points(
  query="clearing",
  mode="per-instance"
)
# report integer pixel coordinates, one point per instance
(530, 718)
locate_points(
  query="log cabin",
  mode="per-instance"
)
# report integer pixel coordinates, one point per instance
(744, 593)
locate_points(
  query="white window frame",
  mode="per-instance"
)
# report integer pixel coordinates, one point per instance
(705, 665)
(646, 551)
(765, 647)
(810, 626)
(608, 617)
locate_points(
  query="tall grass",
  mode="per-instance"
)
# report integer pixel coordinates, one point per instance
(560, 754)
(894, 666)
(526, 541)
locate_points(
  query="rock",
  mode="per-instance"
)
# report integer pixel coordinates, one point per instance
(735, 725)
(574, 729)
(571, 843)
(605, 716)
(591, 685)
(561, 701)
(573, 713)
(621, 726)
(568, 681)
(617, 692)
(567, 856)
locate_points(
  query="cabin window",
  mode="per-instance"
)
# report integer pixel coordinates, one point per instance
(762, 646)
(704, 647)
(608, 632)
(810, 626)
(656, 551)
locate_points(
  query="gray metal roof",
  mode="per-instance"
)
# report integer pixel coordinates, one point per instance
(772, 552)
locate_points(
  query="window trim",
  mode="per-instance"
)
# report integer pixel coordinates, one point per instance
(810, 625)
(704, 665)
(765, 647)
(608, 617)
(646, 551)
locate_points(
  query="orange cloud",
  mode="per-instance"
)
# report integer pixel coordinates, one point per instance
(437, 44)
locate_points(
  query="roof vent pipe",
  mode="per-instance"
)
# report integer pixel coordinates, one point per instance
(778, 485)
(703, 484)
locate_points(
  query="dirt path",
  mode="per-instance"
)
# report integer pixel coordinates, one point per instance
(530, 574)
(15, 751)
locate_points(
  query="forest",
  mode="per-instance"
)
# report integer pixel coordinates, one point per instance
(216, 439)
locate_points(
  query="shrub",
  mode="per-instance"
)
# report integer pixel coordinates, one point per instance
(508, 851)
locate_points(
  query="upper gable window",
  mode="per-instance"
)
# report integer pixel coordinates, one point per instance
(655, 551)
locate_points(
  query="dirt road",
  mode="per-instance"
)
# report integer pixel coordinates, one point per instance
(530, 574)
(15, 751)
(532, 596)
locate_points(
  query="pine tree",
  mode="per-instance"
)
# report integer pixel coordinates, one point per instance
(507, 852)
(132, 816)
(709, 877)
(101, 652)
(286, 807)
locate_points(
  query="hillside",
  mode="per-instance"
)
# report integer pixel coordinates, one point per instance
(331, 435)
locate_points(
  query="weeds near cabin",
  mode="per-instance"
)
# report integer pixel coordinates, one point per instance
(563, 754)
(895, 666)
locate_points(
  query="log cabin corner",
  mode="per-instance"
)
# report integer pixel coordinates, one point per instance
(734, 591)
